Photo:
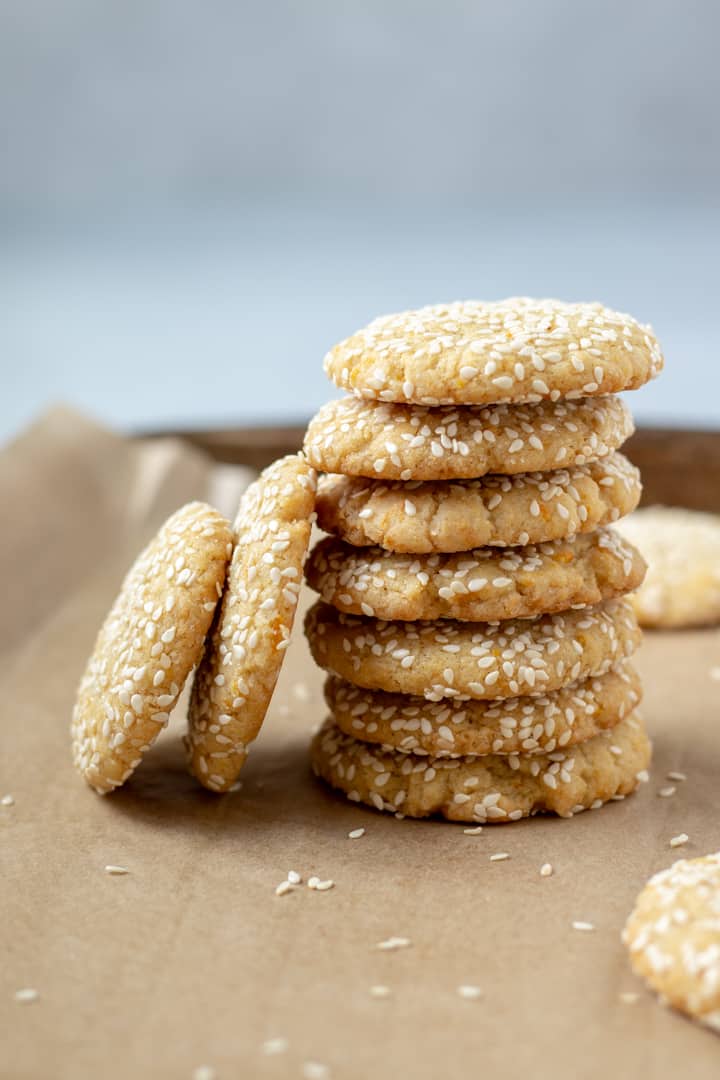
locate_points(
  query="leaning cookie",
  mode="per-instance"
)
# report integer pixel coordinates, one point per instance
(453, 728)
(682, 547)
(445, 658)
(148, 645)
(499, 511)
(242, 659)
(414, 442)
(673, 935)
(489, 789)
(483, 585)
(479, 353)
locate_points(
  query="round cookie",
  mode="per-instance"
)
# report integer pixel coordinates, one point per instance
(495, 511)
(484, 585)
(415, 442)
(673, 935)
(444, 658)
(148, 645)
(479, 353)
(452, 728)
(244, 652)
(682, 547)
(489, 789)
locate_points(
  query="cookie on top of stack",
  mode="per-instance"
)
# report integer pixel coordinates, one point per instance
(473, 619)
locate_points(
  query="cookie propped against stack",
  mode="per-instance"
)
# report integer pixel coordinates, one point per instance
(472, 620)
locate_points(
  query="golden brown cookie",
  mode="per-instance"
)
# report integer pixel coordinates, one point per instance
(480, 353)
(673, 935)
(445, 658)
(243, 655)
(497, 511)
(489, 789)
(483, 585)
(148, 644)
(414, 442)
(682, 548)
(452, 728)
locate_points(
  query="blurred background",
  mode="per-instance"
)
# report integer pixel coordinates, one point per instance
(197, 200)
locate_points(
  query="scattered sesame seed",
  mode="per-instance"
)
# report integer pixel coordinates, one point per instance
(546, 870)
(678, 776)
(586, 926)
(274, 1046)
(116, 870)
(355, 834)
(392, 943)
(474, 831)
(313, 1070)
(715, 673)
(666, 792)
(380, 991)
(26, 995)
(629, 997)
(283, 888)
(7, 800)
(323, 886)
(469, 993)
(500, 856)
(679, 840)
(204, 1072)
(294, 878)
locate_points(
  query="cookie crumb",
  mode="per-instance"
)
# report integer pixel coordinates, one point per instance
(380, 991)
(667, 792)
(26, 995)
(679, 840)
(546, 870)
(116, 871)
(500, 856)
(7, 800)
(275, 1046)
(629, 997)
(355, 834)
(469, 993)
(475, 831)
(579, 925)
(392, 943)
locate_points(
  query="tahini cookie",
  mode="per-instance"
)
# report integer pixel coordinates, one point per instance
(148, 644)
(500, 511)
(483, 585)
(485, 789)
(245, 650)
(673, 935)
(452, 728)
(387, 441)
(479, 353)
(682, 548)
(446, 658)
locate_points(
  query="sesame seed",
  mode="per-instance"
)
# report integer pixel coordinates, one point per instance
(500, 856)
(26, 995)
(323, 886)
(392, 943)
(469, 993)
(473, 831)
(355, 834)
(204, 1072)
(274, 1046)
(294, 878)
(283, 888)
(116, 870)
(678, 776)
(380, 991)
(313, 1070)
(546, 870)
(629, 997)
(666, 792)
(7, 800)
(679, 840)
(584, 926)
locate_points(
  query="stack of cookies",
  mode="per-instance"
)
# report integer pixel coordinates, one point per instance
(473, 620)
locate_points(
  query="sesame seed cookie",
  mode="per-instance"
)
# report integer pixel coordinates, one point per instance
(489, 789)
(148, 644)
(497, 511)
(244, 652)
(483, 585)
(682, 547)
(478, 353)
(673, 935)
(445, 658)
(452, 728)
(415, 442)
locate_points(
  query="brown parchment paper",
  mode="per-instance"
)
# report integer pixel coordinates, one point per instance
(191, 959)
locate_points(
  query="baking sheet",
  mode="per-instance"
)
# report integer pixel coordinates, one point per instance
(191, 959)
